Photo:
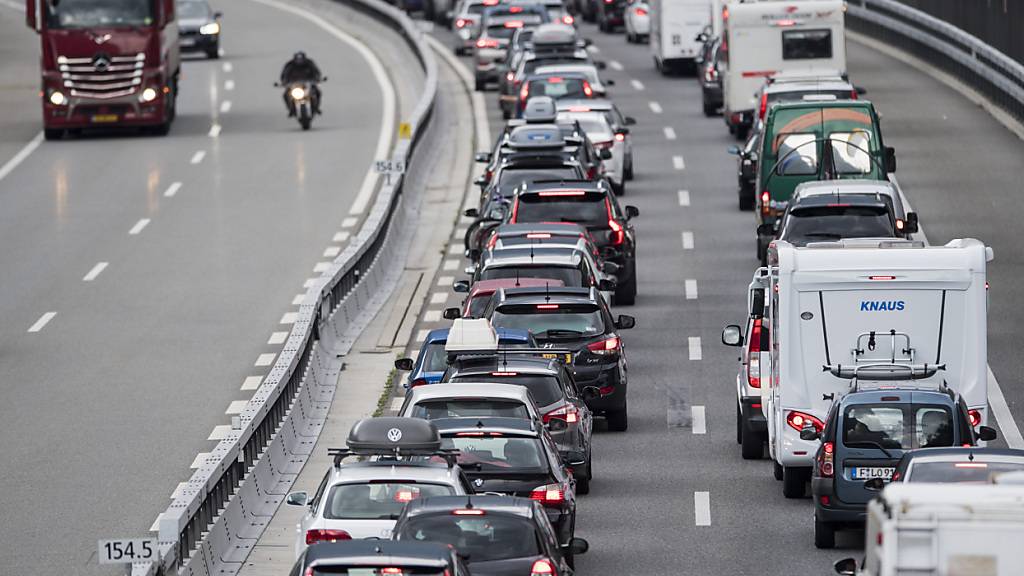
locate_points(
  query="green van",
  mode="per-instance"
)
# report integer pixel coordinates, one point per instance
(793, 151)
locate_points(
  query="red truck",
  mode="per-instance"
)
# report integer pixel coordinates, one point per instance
(106, 63)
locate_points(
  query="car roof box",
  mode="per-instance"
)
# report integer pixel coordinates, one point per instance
(540, 110)
(392, 434)
(532, 137)
(471, 335)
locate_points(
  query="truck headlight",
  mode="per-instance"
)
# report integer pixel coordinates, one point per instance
(148, 95)
(57, 98)
(210, 29)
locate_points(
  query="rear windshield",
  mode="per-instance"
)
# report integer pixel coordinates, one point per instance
(594, 124)
(378, 500)
(476, 8)
(469, 408)
(568, 275)
(567, 322)
(897, 426)
(545, 389)
(498, 453)
(586, 209)
(558, 87)
(375, 571)
(500, 32)
(483, 538)
(827, 223)
(806, 44)
(511, 177)
(961, 472)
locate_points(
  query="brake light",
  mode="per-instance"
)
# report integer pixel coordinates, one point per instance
(853, 94)
(568, 413)
(418, 382)
(549, 495)
(314, 536)
(971, 465)
(608, 1)
(764, 105)
(405, 496)
(620, 137)
(515, 10)
(754, 355)
(468, 512)
(461, 23)
(710, 73)
(504, 373)
(547, 306)
(538, 235)
(555, 80)
(881, 277)
(641, 12)
(587, 90)
(515, 210)
(799, 420)
(510, 76)
(786, 23)
(604, 347)
(542, 568)
(619, 235)
(524, 92)
(391, 571)
(486, 43)
(491, 2)
(826, 465)
(514, 23)
(975, 416)
(562, 193)
(579, 108)
(568, 19)
(766, 202)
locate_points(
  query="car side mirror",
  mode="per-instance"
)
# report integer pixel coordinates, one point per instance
(860, 90)
(702, 38)
(766, 230)
(845, 567)
(629, 120)
(600, 64)
(890, 159)
(461, 286)
(590, 392)
(297, 499)
(809, 434)
(452, 314)
(218, 15)
(732, 335)
(734, 150)
(987, 433)
(625, 322)
(608, 82)
(404, 364)
(482, 157)
(577, 546)
(632, 212)
(606, 285)
(605, 154)
(610, 267)
(471, 213)
(874, 485)
(911, 224)
(480, 181)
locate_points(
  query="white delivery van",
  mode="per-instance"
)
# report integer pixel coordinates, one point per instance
(675, 26)
(943, 529)
(761, 39)
(874, 309)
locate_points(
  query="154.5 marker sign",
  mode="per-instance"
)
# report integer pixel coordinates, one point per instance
(127, 550)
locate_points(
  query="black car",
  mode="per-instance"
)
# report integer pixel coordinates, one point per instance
(610, 14)
(521, 141)
(709, 75)
(516, 458)
(576, 319)
(746, 168)
(198, 27)
(866, 433)
(594, 205)
(379, 557)
(499, 536)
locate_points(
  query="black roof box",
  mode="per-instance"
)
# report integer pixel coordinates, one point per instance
(395, 435)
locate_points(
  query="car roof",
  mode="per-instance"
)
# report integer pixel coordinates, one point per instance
(404, 553)
(955, 454)
(421, 470)
(523, 507)
(516, 426)
(870, 392)
(535, 76)
(815, 104)
(804, 85)
(554, 228)
(563, 295)
(852, 186)
(554, 33)
(527, 255)
(835, 200)
(488, 390)
(485, 364)
(535, 136)
(548, 184)
(440, 335)
(496, 284)
(596, 105)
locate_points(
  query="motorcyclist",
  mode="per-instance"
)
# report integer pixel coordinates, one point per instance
(301, 69)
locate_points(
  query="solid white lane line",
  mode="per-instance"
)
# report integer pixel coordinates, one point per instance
(637, 85)
(139, 226)
(340, 237)
(396, 403)
(1001, 410)
(684, 197)
(289, 318)
(694, 346)
(198, 156)
(220, 432)
(451, 264)
(322, 267)
(227, 67)
(18, 158)
(172, 189)
(656, 108)
(332, 251)
(670, 133)
(265, 359)
(277, 338)
(699, 420)
(236, 407)
(225, 107)
(214, 131)
(678, 163)
(298, 299)
(229, 85)
(43, 320)
(687, 240)
(422, 335)
(446, 280)
(95, 271)
(349, 222)
(691, 289)
(615, 64)
(702, 508)
(432, 316)
(438, 298)
(200, 460)
(252, 382)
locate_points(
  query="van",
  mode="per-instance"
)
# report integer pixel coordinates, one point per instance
(875, 310)
(676, 27)
(761, 39)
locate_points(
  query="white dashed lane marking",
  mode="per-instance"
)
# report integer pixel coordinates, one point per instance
(251, 382)
(220, 432)
(691, 289)
(678, 163)
(43, 321)
(637, 85)
(95, 271)
(438, 298)
(214, 131)
(289, 318)
(332, 251)
(298, 299)
(229, 85)
(432, 316)
(615, 64)
(670, 133)
(172, 190)
(349, 222)
(656, 108)
(227, 67)
(200, 460)
(139, 226)
(687, 240)
(451, 264)
(236, 407)
(702, 508)
(694, 346)
(341, 237)
(446, 280)
(225, 107)
(265, 359)
(277, 338)
(198, 156)
(699, 420)
(684, 197)
(321, 267)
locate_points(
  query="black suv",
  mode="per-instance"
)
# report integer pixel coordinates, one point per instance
(498, 534)
(591, 204)
(577, 319)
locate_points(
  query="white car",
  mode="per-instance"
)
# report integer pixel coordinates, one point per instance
(599, 86)
(596, 117)
(471, 400)
(638, 22)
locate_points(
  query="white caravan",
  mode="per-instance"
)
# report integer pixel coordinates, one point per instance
(761, 39)
(947, 529)
(675, 26)
(875, 310)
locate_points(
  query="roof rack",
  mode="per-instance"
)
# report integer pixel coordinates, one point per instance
(545, 353)
(884, 371)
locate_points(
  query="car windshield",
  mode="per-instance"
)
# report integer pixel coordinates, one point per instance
(961, 472)
(586, 209)
(544, 388)
(377, 500)
(434, 358)
(897, 426)
(562, 322)
(594, 124)
(498, 453)
(511, 177)
(100, 13)
(193, 10)
(825, 223)
(558, 87)
(483, 538)
(569, 275)
(469, 408)
(478, 303)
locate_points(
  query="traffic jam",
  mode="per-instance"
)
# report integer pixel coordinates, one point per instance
(862, 380)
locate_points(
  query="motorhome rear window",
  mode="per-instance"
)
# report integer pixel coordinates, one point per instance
(806, 44)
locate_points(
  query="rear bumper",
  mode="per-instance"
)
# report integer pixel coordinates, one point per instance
(606, 377)
(836, 512)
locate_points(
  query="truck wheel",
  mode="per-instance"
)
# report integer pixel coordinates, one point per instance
(752, 446)
(53, 133)
(627, 173)
(618, 421)
(824, 534)
(794, 482)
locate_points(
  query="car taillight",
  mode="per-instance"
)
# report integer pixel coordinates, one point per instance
(568, 19)
(826, 467)
(549, 495)
(766, 199)
(509, 76)
(641, 12)
(853, 94)
(487, 43)
(799, 420)
(710, 74)
(461, 23)
(587, 90)
(620, 136)
(764, 105)
(604, 347)
(603, 144)
(543, 568)
(524, 92)
(515, 211)
(314, 536)
(418, 382)
(754, 355)
(975, 416)
(568, 413)
(606, 390)
(619, 234)
(393, 571)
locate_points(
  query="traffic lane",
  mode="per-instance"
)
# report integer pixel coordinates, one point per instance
(157, 348)
(19, 81)
(961, 170)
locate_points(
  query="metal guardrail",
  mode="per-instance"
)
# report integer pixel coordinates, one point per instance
(994, 74)
(214, 521)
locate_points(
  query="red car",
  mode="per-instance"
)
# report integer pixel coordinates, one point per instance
(478, 296)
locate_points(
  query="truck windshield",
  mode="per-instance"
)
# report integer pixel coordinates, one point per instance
(100, 13)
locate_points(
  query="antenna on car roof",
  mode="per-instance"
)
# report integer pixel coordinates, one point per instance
(517, 277)
(547, 291)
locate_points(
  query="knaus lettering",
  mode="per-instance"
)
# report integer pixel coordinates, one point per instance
(882, 306)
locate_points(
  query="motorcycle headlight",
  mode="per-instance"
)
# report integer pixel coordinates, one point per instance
(298, 93)
(148, 95)
(57, 98)
(210, 29)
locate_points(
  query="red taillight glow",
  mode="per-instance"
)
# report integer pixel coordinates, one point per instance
(418, 382)
(391, 571)
(486, 43)
(881, 277)
(510, 76)
(620, 137)
(971, 465)
(555, 80)
(542, 568)
(314, 536)
(514, 23)
(754, 355)
(764, 105)
(461, 23)
(799, 420)
(567, 19)
(619, 234)
(765, 198)
(515, 10)
(786, 23)
(605, 347)
(568, 413)
(405, 496)
(641, 12)
(579, 108)
(524, 92)
(826, 465)
(468, 512)
(975, 416)
(606, 390)
(538, 235)
(550, 495)
(853, 94)
(547, 306)
(710, 73)
(587, 90)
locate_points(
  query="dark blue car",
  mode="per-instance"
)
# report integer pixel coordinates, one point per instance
(432, 361)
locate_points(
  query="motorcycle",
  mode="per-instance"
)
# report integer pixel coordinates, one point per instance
(301, 95)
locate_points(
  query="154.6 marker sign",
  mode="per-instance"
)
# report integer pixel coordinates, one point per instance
(127, 550)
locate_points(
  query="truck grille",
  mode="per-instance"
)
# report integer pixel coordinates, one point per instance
(102, 76)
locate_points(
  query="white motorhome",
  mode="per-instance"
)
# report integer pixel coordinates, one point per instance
(948, 529)
(760, 39)
(675, 26)
(874, 309)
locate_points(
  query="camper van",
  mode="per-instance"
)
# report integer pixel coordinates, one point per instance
(868, 311)
(761, 39)
(675, 29)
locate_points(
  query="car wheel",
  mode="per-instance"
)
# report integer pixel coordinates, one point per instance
(479, 85)
(824, 534)
(709, 109)
(625, 293)
(583, 482)
(751, 444)
(794, 482)
(627, 172)
(777, 470)
(746, 198)
(618, 421)
(762, 249)
(741, 132)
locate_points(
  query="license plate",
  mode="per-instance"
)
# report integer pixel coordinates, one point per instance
(567, 357)
(187, 41)
(102, 118)
(871, 473)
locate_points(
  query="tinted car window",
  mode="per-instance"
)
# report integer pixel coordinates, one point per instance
(865, 425)
(824, 223)
(483, 538)
(568, 276)
(515, 176)
(558, 87)
(377, 501)
(583, 209)
(498, 453)
(806, 44)
(973, 472)
(478, 304)
(545, 389)
(463, 408)
(566, 321)
(434, 358)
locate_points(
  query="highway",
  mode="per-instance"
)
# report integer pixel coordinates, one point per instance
(148, 281)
